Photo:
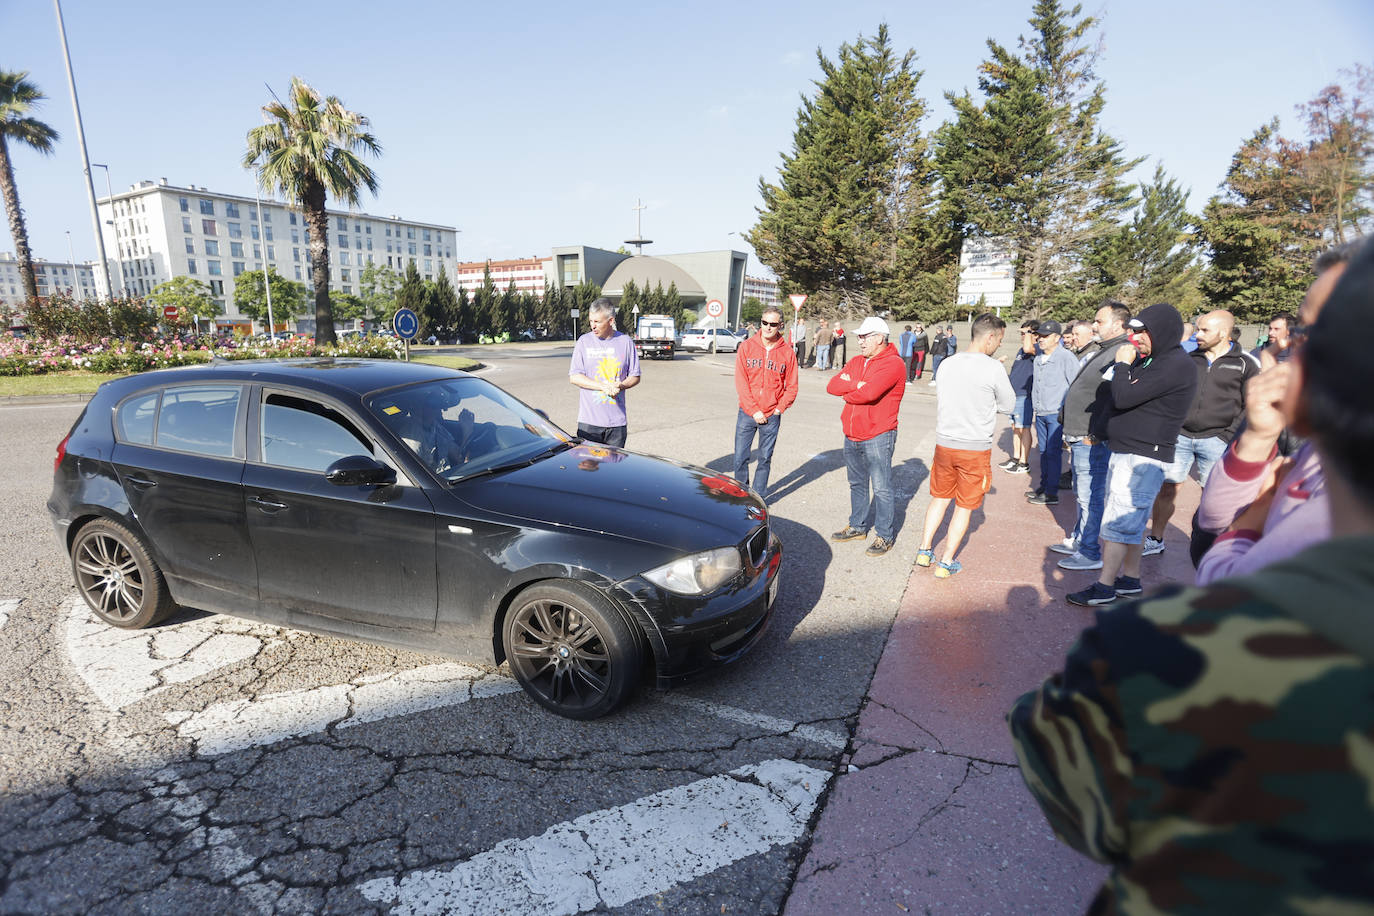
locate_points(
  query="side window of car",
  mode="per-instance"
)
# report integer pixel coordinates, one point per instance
(306, 435)
(136, 418)
(199, 420)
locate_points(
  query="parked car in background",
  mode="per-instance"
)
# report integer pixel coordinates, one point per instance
(655, 336)
(413, 506)
(700, 339)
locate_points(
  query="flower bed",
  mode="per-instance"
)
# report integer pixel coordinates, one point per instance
(36, 356)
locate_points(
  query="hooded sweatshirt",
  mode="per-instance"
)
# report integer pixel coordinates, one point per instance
(765, 380)
(870, 410)
(1151, 395)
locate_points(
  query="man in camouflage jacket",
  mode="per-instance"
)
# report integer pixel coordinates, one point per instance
(1216, 745)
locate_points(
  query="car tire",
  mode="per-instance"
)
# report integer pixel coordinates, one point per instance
(117, 576)
(572, 651)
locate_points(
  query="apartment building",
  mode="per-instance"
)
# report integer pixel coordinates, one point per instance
(155, 231)
(51, 277)
(526, 273)
(762, 289)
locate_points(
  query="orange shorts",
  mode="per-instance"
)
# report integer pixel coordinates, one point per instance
(964, 475)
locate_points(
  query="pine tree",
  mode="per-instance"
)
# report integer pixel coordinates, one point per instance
(443, 302)
(1153, 258)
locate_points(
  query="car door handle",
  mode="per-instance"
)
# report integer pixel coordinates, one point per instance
(142, 483)
(266, 505)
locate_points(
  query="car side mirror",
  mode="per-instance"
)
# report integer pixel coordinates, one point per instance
(359, 471)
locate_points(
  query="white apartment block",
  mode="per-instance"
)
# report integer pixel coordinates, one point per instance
(526, 273)
(762, 289)
(156, 231)
(51, 276)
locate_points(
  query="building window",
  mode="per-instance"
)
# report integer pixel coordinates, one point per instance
(253, 212)
(211, 248)
(298, 273)
(348, 289)
(346, 274)
(388, 233)
(190, 246)
(217, 287)
(343, 241)
(212, 268)
(426, 235)
(267, 230)
(237, 267)
(340, 222)
(253, 230)
(207, 207)
(293, 217)
(357, 226)
(208, 227)
(369, 228)
(358, 243)
(429, 250)
(236, 230)
(369, 244)
(410, 248)
(185, 205)
(343, 257)
(186, 224)
(191, 265)
(231, 209)
(295, 254)
(429, 268)
(410, 232)
(257, 251)
(235, 249)
(295, 236)
(271, 252)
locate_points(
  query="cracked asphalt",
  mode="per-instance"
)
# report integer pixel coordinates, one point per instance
(216, 765)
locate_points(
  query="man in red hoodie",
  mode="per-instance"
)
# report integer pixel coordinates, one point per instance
(766, 381)
(872, 385)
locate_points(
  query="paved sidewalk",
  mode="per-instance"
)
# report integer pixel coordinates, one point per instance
(934, 817)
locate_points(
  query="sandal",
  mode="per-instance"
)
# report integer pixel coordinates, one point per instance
(925, 557)
(945, 570)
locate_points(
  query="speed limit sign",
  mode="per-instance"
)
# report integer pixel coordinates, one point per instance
(714, 308)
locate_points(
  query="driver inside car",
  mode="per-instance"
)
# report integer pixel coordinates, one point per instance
(440, 444)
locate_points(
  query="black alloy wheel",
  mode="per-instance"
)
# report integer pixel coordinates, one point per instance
(117, 576)
(571, 649)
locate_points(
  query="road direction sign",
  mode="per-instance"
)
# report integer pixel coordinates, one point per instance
(171, 312)
(797, 300)
(406, 324)
(714, 308)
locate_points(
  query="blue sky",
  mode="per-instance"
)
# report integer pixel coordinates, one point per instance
(538, 124)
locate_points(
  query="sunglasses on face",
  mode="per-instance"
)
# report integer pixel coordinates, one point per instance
(771, 324)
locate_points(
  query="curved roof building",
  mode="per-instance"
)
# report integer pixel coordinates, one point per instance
(648, 273)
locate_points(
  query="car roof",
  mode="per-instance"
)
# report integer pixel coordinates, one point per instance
(342, 378)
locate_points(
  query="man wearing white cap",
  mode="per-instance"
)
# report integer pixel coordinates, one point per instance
(872, 385)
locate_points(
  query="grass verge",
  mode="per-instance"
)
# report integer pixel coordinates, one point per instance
(19, 386)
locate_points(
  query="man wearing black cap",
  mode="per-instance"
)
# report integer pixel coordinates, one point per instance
(1055, 369)
(1153, 383)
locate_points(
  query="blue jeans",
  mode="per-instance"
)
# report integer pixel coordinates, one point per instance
(1049, 434)
(823, 356)
(935, 364)
(1206, 452)
(870, 461)
(745, 427)
(1090, 488)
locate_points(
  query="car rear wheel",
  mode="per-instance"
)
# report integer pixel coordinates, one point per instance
(117, 576)
(571, 649)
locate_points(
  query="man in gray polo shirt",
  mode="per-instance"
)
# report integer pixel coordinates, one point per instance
(1055, 369)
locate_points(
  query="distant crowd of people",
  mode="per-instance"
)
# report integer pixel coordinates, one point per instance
(1213, 742)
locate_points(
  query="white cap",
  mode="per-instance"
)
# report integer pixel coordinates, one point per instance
(872, 325)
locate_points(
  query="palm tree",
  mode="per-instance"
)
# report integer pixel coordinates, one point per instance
(304, 150)
(17, 98)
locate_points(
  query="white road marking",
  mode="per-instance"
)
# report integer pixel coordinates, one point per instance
(611, 857)
(760, 721)
(244, 723)
(7, 607)
(122, 667)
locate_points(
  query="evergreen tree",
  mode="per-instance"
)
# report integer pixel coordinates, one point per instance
(851, 214)
(411, 296)
(484, 302)
(1153, 258)
(672, 304)
(444, 302)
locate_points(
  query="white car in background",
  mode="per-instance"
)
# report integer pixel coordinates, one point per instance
(700, 339)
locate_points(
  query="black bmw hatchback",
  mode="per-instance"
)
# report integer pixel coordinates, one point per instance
(416, 507)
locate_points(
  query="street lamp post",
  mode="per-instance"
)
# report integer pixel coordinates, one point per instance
(266, 266)
(119, 258)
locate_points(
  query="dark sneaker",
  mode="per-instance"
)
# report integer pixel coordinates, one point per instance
(1022, 468)
(1010, 464)
(1035, 491)
(1153, 546)
(848, 533)
(1126, 587)
(879, 547)
(1094, 595)
(1043, 499)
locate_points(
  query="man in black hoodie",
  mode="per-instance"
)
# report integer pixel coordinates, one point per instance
(1153, 382)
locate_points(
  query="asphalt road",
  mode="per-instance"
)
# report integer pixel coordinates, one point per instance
(214, 765)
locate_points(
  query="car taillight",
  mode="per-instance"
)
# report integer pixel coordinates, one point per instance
(61, 453)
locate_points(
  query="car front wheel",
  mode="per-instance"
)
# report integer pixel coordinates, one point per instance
(117, 576)
(571, 649)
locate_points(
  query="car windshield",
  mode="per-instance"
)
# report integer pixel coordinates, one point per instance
(463, 427)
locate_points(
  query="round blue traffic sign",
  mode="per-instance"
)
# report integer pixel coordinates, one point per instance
(406, 324)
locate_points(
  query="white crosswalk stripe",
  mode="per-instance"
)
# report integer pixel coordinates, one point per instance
(617, 855)
(7, 607)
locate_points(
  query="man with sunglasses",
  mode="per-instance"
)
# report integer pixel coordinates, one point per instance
(1262, 506)
(766, 382)
(871, 386)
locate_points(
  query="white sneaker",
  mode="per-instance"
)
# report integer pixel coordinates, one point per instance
(1152, 546)
(1068, 547)
(1078, 561)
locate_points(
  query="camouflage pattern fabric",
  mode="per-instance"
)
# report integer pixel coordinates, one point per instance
(1214, 747)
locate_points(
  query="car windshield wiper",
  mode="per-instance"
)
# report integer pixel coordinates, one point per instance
(518, 463)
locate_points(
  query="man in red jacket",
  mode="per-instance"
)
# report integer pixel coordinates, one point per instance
(766, 381)
(872, 385)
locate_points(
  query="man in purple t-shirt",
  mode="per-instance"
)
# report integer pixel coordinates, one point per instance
(604, 364)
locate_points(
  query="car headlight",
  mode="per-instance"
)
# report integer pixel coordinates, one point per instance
(698, 573)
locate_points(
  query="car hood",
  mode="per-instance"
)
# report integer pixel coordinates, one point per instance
(609, 491)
